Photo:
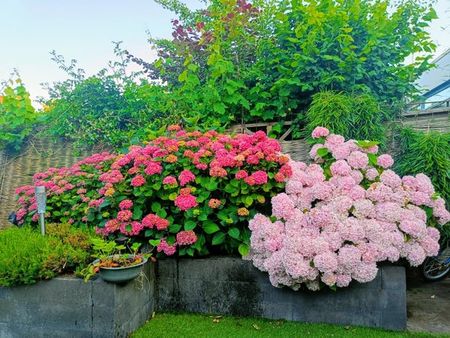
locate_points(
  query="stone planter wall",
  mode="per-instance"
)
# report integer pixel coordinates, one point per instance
(234, 287)
(69, 307)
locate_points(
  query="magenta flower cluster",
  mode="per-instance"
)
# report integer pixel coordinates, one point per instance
(186, 191)
(342, 215)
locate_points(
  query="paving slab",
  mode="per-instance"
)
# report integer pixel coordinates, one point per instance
(428, 305)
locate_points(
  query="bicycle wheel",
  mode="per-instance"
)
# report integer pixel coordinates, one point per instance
(434, 269)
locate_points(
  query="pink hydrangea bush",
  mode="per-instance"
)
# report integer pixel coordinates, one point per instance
(342, 215)
(186, 192)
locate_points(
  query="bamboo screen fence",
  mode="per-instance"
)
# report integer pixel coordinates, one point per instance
(40, 154)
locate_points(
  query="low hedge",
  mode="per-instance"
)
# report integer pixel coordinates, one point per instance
(27, 257)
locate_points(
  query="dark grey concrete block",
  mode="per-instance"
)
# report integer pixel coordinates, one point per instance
(26, 331)
(277, 310)
(42, 303)
(210, 296)
(225, 285)
(392, 277)
(68, 307)
(132, 309)
(168, 269)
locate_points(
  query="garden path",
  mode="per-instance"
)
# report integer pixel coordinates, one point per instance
(429, 306)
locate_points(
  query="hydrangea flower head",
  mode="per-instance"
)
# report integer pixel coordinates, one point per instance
(320, 132)
(341, 216)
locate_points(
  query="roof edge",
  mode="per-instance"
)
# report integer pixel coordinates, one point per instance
(447, 51)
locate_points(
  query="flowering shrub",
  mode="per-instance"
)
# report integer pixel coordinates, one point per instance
(189, 192)
(342, 214)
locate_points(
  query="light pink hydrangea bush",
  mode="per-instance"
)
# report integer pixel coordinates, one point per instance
(342, 215)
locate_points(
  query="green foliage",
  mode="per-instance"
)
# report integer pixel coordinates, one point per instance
(245, 62)
(108, 109)
(22, 256)
(149, 109)
(351, 46)
(17, 115)
(27, 257)
(353, 116)
(240, 62)
(89, 113)
(103, 249)
(76, 238)
(428, 153)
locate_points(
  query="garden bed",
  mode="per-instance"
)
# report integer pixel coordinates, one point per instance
(68, 307)
(232, 286)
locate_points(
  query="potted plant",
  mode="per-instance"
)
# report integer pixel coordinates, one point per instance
(112, 264)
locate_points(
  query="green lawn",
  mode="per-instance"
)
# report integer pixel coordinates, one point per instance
(166, 325)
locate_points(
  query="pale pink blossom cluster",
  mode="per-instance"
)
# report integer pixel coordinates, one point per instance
(334, 225)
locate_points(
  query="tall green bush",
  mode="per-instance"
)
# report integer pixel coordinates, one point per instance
(238, 61)
(111, 108)
(348, 46)
(245, 62)
(90, 113)
(425, 152)
(358, 117)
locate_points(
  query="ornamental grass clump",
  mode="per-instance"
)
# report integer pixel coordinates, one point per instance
(342, 215)
(186, 192)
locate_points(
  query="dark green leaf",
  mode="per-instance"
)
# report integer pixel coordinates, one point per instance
(218, 238)
(234, 233)
(210, 227)
(190, 225)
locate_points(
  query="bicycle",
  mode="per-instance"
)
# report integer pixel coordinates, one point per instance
(437, 267)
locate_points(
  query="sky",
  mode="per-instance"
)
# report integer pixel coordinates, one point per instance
(84, 30)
